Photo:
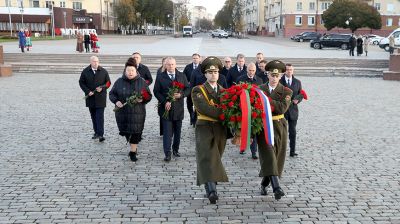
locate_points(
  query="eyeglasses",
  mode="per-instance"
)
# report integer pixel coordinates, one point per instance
(227, 61)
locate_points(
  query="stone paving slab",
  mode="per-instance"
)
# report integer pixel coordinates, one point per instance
(52, 172)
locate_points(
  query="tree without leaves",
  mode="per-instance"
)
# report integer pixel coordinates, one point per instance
(357, 13)
(204, 24)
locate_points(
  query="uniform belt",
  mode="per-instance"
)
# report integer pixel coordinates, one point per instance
(203, 117)
(277, 117)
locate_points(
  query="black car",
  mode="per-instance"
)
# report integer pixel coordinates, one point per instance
(306, 36)
(332, 40)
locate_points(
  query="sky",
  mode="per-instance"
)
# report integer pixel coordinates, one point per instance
(213, 6)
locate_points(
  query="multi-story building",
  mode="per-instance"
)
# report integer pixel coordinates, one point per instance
(38, 15)
(253, 15)
(198, 13)
(288, 17)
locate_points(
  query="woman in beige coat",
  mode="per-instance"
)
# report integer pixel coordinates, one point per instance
(366, 45)
(79, 42)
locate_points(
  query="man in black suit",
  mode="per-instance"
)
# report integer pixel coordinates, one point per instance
(259, 58)
(142, 69)
(251, 78)
(236, 71)
(94, 82)
(227, 66)
(171, 107)
(262, 74)
(292, 114)
(188, 73)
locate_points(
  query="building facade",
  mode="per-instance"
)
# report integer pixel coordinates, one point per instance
(289, 17)
(68, 15)
(198, 13)
(253, 15)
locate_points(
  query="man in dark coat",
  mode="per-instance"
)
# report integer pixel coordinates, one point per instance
(251, 78)
(227, 66)
(142, 69)
(94, 82)
(188, 73)
(262, 74)
(272, 158)
(171, 106)
(259, 58)
(292, 114)
(352, 45)
(210, 133)
(236, 71)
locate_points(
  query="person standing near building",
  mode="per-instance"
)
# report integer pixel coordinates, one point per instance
(237, 70)
(272, 158)
(352, 44)
(188, 73)
(79, 42)
(359, 45)
(94, 82)
(171, 106)
(292, 114)
(28, 35)
(210, 133)
(143, 70)
(21, 40)
(366, 45)
(86, 39)
(130, 118)
(391, 44)
(251, 78)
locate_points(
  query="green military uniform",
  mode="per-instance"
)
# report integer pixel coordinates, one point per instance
(210, 135)
(273, 161)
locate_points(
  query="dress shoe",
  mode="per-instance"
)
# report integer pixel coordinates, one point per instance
(264, 184)
(241, 153)
(263, 190)
(278, 193)
(254, 156)
(167, 157)
(213, 197)
(176, 154)
(293, 154)
(132, 156)
(101, 139)
(95, 136)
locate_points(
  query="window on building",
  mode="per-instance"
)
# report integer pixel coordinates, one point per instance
(389, 22)
(49, 4)
(378, 6)
(298, 21)
(325, 5)
(321, 20)
(77, 5)
(299, 6)
(8, 3)
(312, 5)
(390, 7)
(311, 20)
(34, 3)
(62, 4)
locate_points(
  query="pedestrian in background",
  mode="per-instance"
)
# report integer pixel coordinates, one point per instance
(366, 45)
(130, 118)
(21, 40)
(352, 44)
(262, 74)
(94, 82)
(359, 46)
(227, 66)
(259, 58)
(28, 35)
(87, 42)
(391, 44)
(79, 42)
(142, 69)
(292, 114)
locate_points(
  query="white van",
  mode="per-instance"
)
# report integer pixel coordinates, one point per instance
(384, 43)
(187, 31)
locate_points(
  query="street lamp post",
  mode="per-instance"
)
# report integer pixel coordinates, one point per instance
(52, 20)
(173, 9)
(22, 15)
(65, 22)
(9, 17)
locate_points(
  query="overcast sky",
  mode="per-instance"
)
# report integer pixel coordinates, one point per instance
(213, 6)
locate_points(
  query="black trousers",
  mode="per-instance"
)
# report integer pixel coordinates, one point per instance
(189, 105)
(171, 129)
(292, 135)
(351, 51)
(97, 115)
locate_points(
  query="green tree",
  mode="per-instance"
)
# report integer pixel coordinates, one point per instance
(352, 14)
(224, 17)
(125, 11)
(204, 24)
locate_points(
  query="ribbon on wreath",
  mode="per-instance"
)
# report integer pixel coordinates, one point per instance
(267, 118)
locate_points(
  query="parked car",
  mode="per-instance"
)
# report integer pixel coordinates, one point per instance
(306, 36)
(374, 39)
(219, 34)
(384, 43)
(332, 40)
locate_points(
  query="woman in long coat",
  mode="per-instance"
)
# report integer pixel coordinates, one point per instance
(130, 117)
(79, 42)
(359, 46)
(21, 40)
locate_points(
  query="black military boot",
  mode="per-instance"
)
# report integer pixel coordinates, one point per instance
(264, 184)
(278, 192)
(132, 156)
(212, 196)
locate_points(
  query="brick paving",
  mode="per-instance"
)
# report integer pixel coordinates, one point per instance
(52, 172)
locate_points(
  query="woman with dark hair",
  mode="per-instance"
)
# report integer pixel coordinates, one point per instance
(130, 94)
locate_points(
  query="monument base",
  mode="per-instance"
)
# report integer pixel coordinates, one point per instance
(391, 75)
(5, 70)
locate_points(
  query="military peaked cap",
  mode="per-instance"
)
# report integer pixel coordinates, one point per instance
(275, 67)
(211, 64)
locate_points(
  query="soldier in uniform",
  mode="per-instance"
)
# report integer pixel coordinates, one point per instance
(210, 133)
(272, 159)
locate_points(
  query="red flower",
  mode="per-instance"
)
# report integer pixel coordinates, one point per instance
(108, 84)
(239, 118)
(302, 92)
(230, 104)
(145, 94)
(253, 114)
(252, 100)
(233, 119)
(224, 107)
(222, 117)
(245, 86)
(252, 93)
(234, 98)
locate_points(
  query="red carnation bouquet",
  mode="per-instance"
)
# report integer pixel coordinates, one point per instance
(176, 87)
(230, 103)
(134, 99)
(305, 96)
(108, 84)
